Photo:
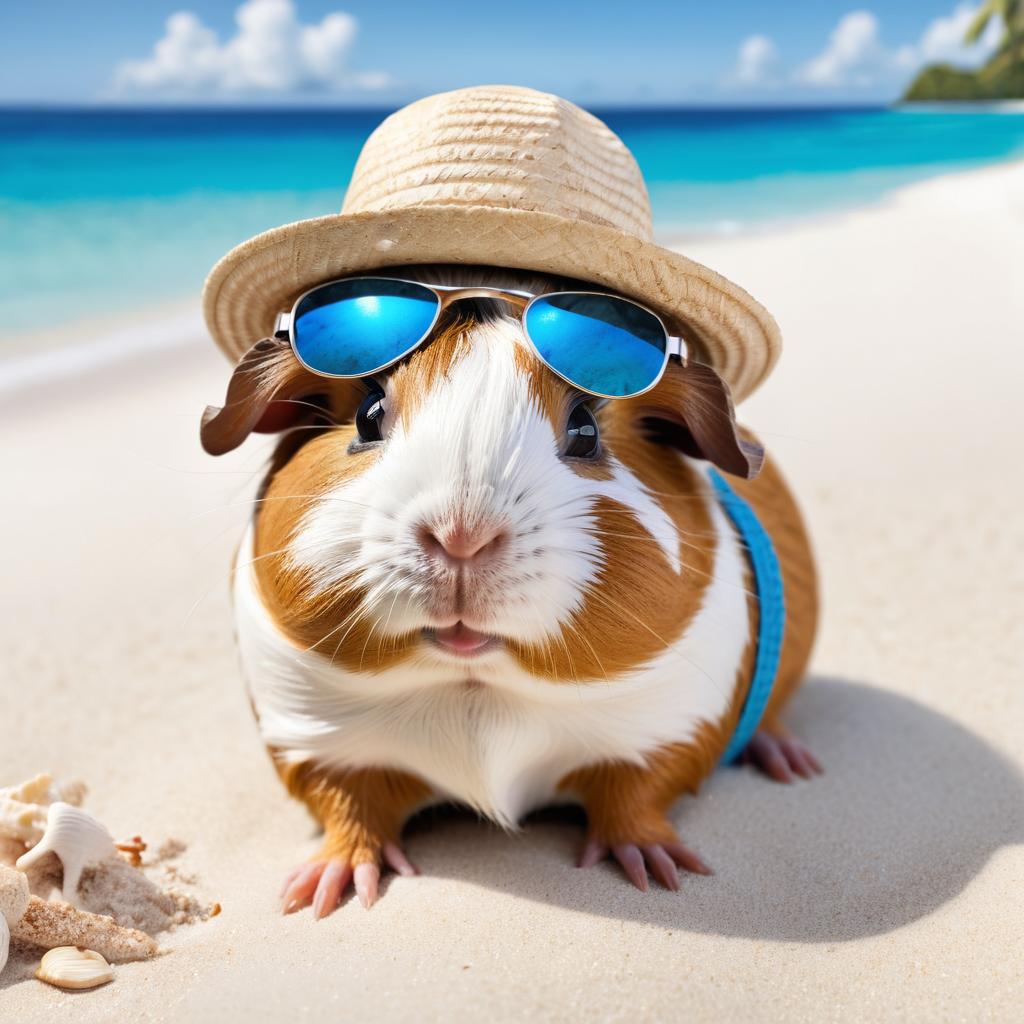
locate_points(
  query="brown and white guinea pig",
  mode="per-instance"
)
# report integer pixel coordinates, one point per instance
(472, 599)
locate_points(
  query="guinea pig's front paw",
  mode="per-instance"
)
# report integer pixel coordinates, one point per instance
(325, 880)
(663, 858)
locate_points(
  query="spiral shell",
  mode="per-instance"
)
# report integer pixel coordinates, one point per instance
(24, 807)
(77, 838)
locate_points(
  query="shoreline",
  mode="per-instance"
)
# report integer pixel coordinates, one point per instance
(961, 106)
(45, 357)
(835, 215)
(31, 359)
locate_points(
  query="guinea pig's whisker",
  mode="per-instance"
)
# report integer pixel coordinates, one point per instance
(384, 631)
(352, 619)
(703, 671)
(310, 405)
(604, 599)
(626, 512)
(280, 497)
(244, 565)
(316, 426)
(366, 642)
(575, 631)
(208, 472)
(718, 579)
(675, 496)
(560, 637)
(598, 532)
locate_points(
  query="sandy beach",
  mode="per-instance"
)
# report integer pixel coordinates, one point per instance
(891, 889)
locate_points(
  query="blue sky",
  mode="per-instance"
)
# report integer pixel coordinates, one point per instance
(384, 53)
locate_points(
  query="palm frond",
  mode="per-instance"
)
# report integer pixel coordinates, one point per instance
(979, 23)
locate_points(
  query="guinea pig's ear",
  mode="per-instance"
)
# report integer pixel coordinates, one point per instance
(261, 396)
(691, 409)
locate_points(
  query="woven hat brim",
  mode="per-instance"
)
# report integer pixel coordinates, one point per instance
(264, 275)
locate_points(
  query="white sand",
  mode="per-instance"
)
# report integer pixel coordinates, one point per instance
(891, 889)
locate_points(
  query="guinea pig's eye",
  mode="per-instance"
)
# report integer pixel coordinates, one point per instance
(582, 434)
(370, 416)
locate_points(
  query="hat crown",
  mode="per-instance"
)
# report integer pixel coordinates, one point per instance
(504, 147)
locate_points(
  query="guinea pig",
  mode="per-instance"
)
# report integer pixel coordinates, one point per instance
(465, 581)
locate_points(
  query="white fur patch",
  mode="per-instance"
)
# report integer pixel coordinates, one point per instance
(481, 445)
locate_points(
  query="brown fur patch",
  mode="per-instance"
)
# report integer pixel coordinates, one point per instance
(638, 605)
(627, 803)
(773, 501)
(331, 622)
(360, 810)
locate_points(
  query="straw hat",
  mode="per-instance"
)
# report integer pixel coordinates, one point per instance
(500, 176)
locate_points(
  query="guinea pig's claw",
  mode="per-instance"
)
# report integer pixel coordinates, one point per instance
(663, 860)
(366, 878)
(632, 861)
(396, 859)
(301, 885)
(662, 866)
(593, 853)
(324, 882)
(333, 882)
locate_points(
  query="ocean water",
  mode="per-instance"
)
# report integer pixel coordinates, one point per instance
(106, 210)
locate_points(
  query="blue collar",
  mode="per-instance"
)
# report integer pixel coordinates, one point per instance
(772, 620)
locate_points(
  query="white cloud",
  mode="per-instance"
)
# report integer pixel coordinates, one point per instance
(271, 52)
(755, 61)
(943, 39)
(853, 56)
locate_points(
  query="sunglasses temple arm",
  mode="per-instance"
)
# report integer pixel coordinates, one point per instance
(677, 348)
(282, 325)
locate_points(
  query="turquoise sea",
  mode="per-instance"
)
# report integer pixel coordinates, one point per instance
(116, 209)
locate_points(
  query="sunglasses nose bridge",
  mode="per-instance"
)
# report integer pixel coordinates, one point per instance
(458, 294)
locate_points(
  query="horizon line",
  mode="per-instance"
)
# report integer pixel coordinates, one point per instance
(289, 107)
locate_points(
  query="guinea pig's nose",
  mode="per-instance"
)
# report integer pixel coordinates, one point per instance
(460, 544)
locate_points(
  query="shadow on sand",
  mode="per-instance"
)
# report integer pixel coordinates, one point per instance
(911, 808)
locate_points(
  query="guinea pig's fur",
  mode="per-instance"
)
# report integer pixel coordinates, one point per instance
(620, 592)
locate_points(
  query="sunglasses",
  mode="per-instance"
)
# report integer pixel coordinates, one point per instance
(602, 344)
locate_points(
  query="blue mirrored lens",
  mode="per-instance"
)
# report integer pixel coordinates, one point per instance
(598, 342)
(352, 328)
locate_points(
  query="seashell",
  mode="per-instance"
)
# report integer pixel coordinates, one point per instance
(74, 967)
(77, 838)
(53, 924)
(24, 808)
(14, 895)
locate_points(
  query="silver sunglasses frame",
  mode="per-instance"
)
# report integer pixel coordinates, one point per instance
(447, 294)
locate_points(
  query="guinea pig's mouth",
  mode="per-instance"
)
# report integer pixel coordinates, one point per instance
(461, 640)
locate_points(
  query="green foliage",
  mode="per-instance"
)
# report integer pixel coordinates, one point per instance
(944, 82)
(1002, 78)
